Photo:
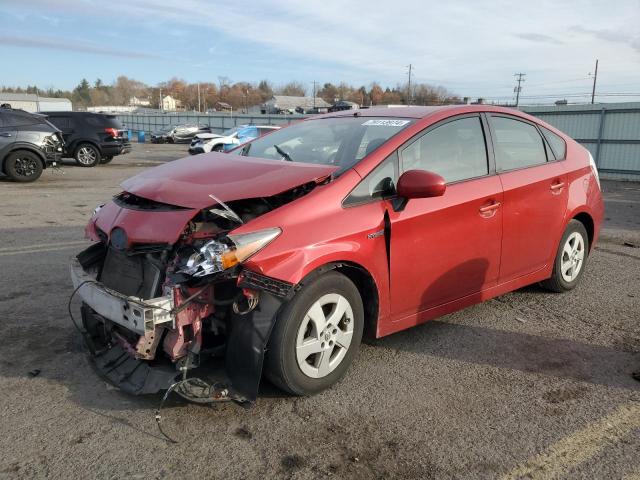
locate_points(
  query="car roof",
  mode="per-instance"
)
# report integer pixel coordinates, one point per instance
(417, 111)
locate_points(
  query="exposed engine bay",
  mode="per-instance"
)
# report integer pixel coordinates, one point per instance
(154, 314)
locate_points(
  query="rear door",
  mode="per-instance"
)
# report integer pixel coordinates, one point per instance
(535, 195)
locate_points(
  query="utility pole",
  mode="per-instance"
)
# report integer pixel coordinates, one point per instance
(518, 88)
(409, 96)
(595, 77)
(160, 100)
(314, 94)
(198, 97)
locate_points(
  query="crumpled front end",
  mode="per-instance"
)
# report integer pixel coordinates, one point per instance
(183, 306)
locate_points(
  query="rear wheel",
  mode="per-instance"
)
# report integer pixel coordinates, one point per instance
(317, 336)
(105, 159)
(218, 148)
(570, 260)
(23, 166)
(87, 155)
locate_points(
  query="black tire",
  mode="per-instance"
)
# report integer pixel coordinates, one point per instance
(557, 282)
(281, 365)
(218, 148)
(87, 155)
(105, 160)
(23, 166)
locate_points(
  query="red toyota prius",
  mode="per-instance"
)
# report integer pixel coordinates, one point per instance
(277, 257)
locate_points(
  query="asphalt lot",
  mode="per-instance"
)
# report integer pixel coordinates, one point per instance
(528, 385)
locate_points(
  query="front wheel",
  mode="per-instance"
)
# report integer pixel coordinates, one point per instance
(87, 155)
(317, 336)
(218, 148)
(570, 260)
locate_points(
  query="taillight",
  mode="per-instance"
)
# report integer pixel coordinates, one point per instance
(112, 132)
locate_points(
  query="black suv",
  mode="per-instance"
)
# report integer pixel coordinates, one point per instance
(90, 138)
(28, 144)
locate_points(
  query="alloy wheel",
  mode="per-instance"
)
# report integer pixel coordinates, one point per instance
(26, 167)
(324, 336)
(86, 155)
(572, 257)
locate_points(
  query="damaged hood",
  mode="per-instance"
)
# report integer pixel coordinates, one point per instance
(188, 182)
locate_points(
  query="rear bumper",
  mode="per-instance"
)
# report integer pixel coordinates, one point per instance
(113, 149)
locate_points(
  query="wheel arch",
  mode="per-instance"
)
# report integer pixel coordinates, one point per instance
(587, 220)
(364, 282)
(26, 147)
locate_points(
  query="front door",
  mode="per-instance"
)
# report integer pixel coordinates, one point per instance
(448, 247)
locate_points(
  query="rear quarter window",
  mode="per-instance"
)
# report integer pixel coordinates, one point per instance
(556, 142)
(103, 121)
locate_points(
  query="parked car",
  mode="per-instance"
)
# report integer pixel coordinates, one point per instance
(212, 142)
(91, 138)
(28, 144)
(178, 133)
(281, 254)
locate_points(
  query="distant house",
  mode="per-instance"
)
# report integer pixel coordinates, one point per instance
(169, 103)
(139, 102)
(31, 102)
(343, 105)
(289, 104)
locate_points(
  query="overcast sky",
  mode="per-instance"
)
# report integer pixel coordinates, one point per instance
(471, 47)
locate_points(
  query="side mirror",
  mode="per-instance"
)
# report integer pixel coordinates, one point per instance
(418, 184)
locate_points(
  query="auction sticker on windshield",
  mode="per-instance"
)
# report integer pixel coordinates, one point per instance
(386, 123)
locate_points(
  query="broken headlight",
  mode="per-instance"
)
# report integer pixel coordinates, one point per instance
(216, 256)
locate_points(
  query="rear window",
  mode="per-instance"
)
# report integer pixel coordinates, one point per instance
(558, 145)
(102, 121)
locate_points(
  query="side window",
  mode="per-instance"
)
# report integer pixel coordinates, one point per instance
(94, 121)
(556, 142)
(517, 144)
(60, 122)
(455, 150)
(380, 183)
(18, 120)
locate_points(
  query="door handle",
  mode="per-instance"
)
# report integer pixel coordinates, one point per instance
(489, 210)
(557, 187)
(5, 134)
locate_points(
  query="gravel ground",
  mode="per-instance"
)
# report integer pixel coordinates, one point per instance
(528, 385)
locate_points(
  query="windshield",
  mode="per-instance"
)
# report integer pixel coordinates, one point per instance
(340, 141)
